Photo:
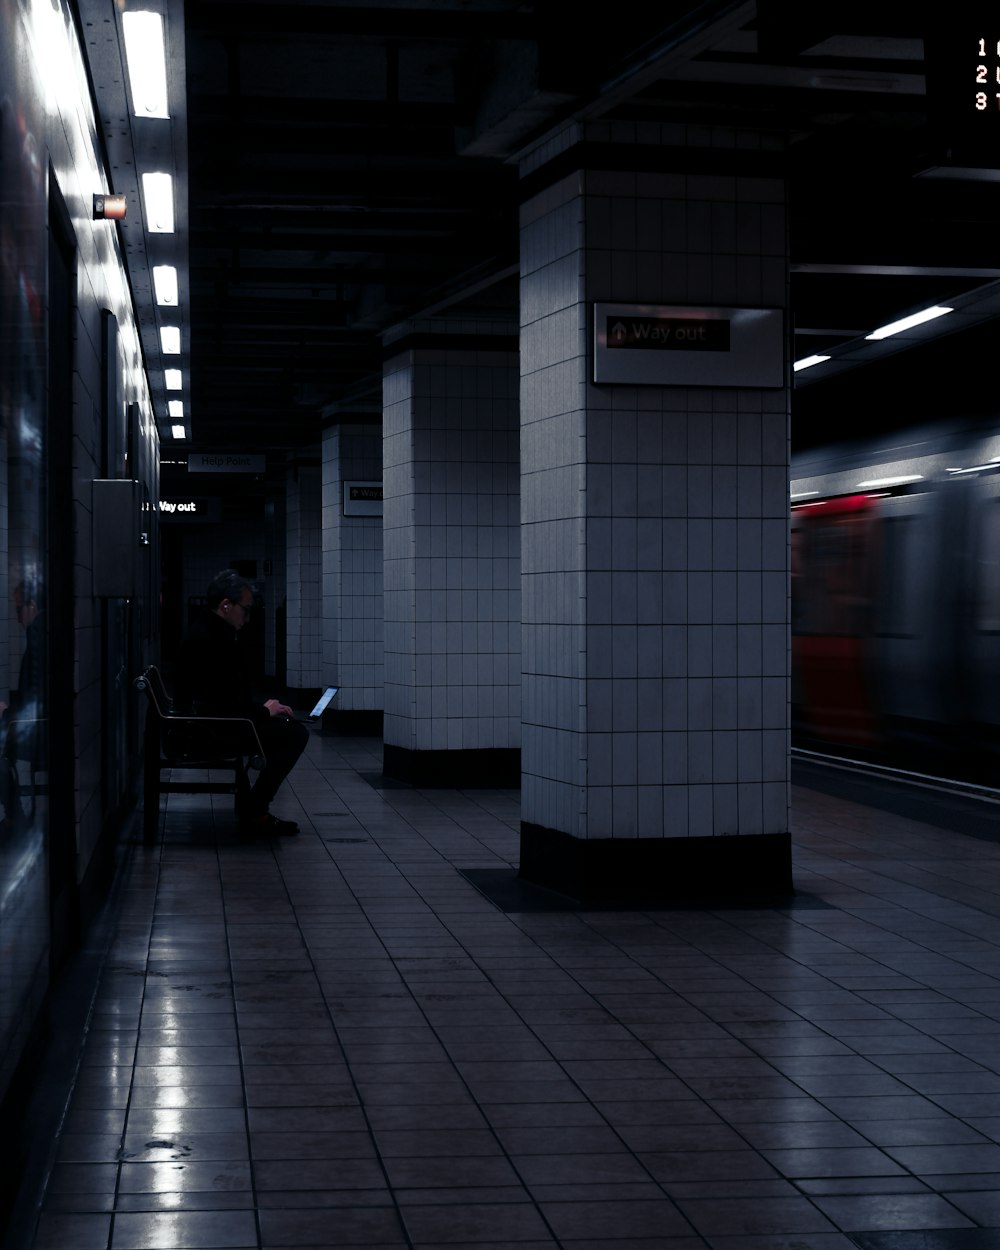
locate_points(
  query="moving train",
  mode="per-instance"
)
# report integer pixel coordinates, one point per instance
(895, 563)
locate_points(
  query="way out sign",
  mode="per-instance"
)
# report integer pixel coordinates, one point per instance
(664, 345)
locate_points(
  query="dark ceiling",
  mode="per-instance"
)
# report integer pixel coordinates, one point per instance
(353, 164)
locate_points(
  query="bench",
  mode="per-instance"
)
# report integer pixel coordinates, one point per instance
(178, 744)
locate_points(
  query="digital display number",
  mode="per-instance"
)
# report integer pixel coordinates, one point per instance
(962, 82)
(986, 97)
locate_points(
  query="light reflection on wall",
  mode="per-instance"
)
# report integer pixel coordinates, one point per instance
(56, 68)
(24, 921)
(54, 394)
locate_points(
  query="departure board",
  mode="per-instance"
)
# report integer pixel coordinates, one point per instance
(986, 59)
(962, 58)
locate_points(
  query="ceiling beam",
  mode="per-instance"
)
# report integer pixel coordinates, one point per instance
(263, 19)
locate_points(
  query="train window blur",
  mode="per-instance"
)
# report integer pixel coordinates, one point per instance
(796, 567)
(988, 570)
(897, 543)
(896, 600)
(832, 595)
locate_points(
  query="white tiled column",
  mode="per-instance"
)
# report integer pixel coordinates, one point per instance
(654, 533)
(352, 579)
(452, 567)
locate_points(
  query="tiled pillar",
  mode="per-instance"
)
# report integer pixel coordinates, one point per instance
(452, 569)
(352, 577)
(303, 630)
(654, 528)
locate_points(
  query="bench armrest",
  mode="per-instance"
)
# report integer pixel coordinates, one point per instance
(189, 738)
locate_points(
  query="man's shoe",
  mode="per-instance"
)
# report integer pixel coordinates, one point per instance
(270, 826)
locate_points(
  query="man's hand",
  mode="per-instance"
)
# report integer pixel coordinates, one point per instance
(278, 709)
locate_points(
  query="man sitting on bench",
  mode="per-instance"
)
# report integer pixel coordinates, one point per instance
(211, 680)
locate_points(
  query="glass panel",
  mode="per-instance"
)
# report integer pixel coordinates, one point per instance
(897, 581)
(24, 905)
(831, 588)
(988, 570)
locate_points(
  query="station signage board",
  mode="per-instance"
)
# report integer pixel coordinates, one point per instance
(962, 60)
(226, 462)
(672, 345)
(362, 499)
(190, 508)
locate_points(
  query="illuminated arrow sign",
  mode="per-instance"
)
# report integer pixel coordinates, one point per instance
(667, 334)
(676, 345)
(358, 491)
(191, 508)
(362, 499)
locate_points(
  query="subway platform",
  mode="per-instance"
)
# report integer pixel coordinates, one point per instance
(366, 1036)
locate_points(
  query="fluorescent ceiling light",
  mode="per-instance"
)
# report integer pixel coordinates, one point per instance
(172, 377)
(165, 284)
(890, 481)
(158, 194)
(175, 408)
(178, 431)
(907, 323)
(170, 340)
(145, 52)
(807, 362)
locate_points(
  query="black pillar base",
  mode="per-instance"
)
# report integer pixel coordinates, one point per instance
(359, 724)
(655, 871)
(492, 768)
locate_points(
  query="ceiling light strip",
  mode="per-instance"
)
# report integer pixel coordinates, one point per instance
(145, 54)
(907, 323)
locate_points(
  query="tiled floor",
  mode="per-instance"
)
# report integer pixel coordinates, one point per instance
(337, 1041)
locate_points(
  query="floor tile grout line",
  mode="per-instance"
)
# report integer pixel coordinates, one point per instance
(421, 879)
(764, 1059)
(333, 1024)
(105, 925)
(474, 1100)
(505, 1152)
(161, 825)
(239, 1045)
(586, 919)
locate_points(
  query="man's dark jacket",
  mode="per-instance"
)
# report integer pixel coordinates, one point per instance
(211, 677)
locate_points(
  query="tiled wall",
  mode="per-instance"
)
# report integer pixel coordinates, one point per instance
(654, 538)
(101, 284)
(50, 453)
(352, 607)
(304, 552)
(208, 549)
(452, 566)
(257, 538)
